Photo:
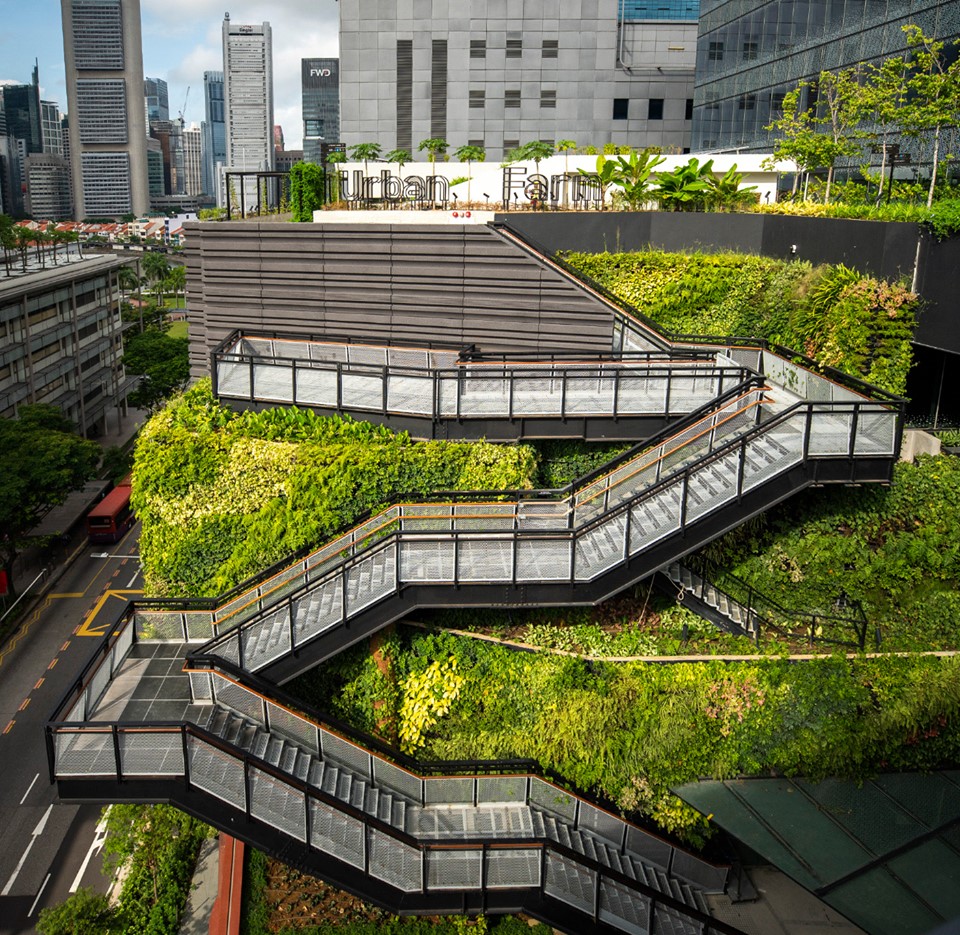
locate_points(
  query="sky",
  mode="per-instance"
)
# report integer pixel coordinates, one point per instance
(181, 40)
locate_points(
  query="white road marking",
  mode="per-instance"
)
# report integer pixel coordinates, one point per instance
(99, 836)
(33, 840)
(42, 888)
(25, 794)
(134, 578)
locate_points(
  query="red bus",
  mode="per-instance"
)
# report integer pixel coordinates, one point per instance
(110, 519)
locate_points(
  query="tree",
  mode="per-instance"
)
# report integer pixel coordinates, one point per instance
(686, 188)
(434, 147)
(838, 94)
(8, 239)
(334, 158)
(177, 281)
(84, 911)
(399, 157)
(164, 364)
(566, 147)
(41, 461)
(365, 151)
(156, 268)
(933, 94)
(799, 142)
(469, 155)
(536, 150)
(881, 98)
(307, 190)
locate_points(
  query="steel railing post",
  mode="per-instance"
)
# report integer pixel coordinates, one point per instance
(293, 381)
(854, 428)
(186, 755)
(115, 732)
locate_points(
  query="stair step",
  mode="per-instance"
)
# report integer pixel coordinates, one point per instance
(315, 776)
(301, 768)
(399, 816)
(331, 776)
(260, 743)
(358, 794)
(385, 807)
(371, 801)
(288, 758)
(274, 749)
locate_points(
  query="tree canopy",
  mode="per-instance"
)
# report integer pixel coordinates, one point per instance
(163, 363)
(41, 461)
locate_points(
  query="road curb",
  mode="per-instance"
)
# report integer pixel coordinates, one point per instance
(225, 918)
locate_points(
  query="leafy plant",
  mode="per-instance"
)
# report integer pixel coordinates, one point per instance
(631, 174)
(307, 190)
(686, 188)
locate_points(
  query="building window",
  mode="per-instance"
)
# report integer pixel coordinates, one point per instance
(655, 111)
(510, 145)
(514, 48)
(477, 98)
(620, 107)
(511, 98)
(478, 48)
(548, 99)
(480, 143)
(776, 102)
(550, 48)
(688, 113)
(748, 102)
(751, 51)
(715, 52)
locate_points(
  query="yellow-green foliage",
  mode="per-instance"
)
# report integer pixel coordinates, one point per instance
(860, 325)
(221, 495)
(427, 697)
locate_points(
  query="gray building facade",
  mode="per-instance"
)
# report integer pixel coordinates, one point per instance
(499, 73)
(752, 52)
(320, 82)
(60, 341)
(103, 62)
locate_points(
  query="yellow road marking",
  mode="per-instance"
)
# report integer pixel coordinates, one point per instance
(65, 646)
(53, 663)
(87, 628)
(40, 681)
(9, 726)
(69, 594)
(26, 701)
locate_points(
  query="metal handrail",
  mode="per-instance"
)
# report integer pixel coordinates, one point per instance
(850, 382)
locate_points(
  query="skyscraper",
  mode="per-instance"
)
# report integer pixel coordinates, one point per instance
(192, 162)
(156, 98)
(320, 82)
(214, 131)
(248, 98)
(21, 103)
(103, 61)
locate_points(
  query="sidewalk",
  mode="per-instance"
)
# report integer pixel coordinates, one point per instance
(203, 890)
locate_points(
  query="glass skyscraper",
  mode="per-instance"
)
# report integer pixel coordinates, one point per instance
(320, 80)
(750, 53)
(214, 130)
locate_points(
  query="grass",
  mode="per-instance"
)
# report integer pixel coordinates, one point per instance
(178, 329)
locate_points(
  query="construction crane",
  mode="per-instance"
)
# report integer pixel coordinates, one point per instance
(186, 98)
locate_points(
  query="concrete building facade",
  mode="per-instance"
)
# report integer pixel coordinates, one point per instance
(60, 341)
(103, 62)
(499, 73)
(192, 160)
(248, 100)
(48, 187)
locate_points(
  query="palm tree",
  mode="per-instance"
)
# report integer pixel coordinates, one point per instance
(177, 280)
(156, 268)
(469, 155)
(365, 151)
(565, 146)
(400, 157)
(434, 147)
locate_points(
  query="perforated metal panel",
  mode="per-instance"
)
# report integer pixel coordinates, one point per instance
(600, 548)
(278, 803)
(98, 684)
(830, 432)
(394, 862)
(317, 386)
(233, 378)
(410, 394)
(287, 724)
(601, 823)
(165, 626)
(318, 610)
(151, 753)
(200, 689)
(426, 560)
(485, 559)
(570, 882)
(552, 799)
(199, 626)
(237, 698)
(876, 432)
(216, 772)
(342, 751)
(453, 790)
(513, 868)
(670, 922)
(334, 833)
(266, 639)
(501, 789)
(84, 753)
(485, 516)
(372, 579)
(624, 908)
(273, 382)
(454, 870)
(387, 775)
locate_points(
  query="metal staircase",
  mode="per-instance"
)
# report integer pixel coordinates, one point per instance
(748, 427)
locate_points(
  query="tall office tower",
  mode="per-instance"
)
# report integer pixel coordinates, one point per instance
(214, 131)
(170, 135)
(192, 160)
(51, 128)
(593, 71)
(21, 102)
(248, 99)
(48, 187)
(277, 137)
(156, 99)
(103, 60)
(320, 83)
(750, 54)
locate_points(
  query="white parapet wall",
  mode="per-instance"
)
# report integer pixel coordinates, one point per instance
(557, 180)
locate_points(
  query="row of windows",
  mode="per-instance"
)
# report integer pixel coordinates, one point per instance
(98, 34)
(514, 48)
(621, 108)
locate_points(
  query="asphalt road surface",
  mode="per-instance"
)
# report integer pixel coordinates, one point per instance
(47, 848)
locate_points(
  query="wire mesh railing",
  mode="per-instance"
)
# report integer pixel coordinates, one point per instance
(441, 385)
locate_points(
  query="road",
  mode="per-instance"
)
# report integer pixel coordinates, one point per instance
(47, 848)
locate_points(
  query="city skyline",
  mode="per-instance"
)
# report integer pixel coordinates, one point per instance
(181, 40)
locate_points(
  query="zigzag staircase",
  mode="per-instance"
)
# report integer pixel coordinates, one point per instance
(490, 837)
